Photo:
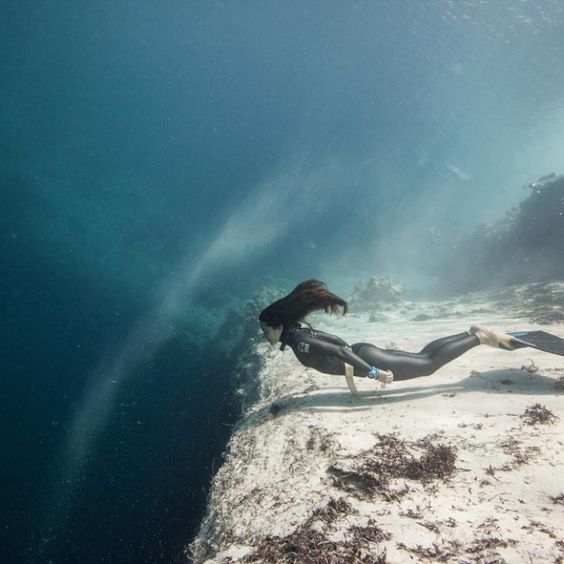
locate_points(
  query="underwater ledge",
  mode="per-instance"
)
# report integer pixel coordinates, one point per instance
(458, 466)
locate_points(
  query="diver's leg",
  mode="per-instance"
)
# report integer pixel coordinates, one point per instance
(453, 349)
(430, 347)
(434, 345)
(485, 335)
(414, 365)
(403, 364)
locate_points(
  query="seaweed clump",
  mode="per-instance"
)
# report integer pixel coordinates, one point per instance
(309, 545)
(436, 553)
(437, 462)
(537, 413)
(391, 458)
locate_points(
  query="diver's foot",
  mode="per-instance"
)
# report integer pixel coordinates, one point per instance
(493, 338)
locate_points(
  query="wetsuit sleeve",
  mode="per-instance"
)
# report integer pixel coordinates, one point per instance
(320, 346)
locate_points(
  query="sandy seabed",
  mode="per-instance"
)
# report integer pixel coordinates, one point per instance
(466, 465)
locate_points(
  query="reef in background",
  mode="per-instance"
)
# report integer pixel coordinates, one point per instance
(527, 245)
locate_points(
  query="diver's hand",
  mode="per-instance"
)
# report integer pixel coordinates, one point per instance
(385, 377)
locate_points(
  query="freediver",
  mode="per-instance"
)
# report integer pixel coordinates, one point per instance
(282, 322)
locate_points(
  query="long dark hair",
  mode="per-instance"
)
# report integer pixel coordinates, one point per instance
(306, 297)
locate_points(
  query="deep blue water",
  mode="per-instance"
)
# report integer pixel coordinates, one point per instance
(161, 161)
(141, 491)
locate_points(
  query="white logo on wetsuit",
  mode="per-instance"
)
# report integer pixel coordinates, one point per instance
(303, 347)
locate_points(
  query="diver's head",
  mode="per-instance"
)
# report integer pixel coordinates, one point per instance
(306, 297)
(271, 334)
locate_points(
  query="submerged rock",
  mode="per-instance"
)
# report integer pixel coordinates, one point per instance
(379, 293)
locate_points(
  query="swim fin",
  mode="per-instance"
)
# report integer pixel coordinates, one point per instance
(540, 340)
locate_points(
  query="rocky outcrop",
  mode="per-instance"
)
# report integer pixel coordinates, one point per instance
(378, 294)
(527, 245)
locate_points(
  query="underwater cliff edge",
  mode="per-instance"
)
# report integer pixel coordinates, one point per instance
(421, 469)
(456, 465)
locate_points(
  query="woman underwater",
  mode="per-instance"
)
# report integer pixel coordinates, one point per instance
(282, 322)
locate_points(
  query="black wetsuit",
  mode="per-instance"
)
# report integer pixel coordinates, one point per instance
(329, 353)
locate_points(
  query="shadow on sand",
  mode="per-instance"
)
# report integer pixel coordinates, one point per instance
(502, 382)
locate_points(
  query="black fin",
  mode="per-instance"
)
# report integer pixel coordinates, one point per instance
(540, 340)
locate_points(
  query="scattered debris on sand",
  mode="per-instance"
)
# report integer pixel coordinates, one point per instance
(308, 544)
(531, 367)
(391, 457)
(537, 413)
(435, 553)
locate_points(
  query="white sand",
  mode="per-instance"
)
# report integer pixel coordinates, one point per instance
(275, 474)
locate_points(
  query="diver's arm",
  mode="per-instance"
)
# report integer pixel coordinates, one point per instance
(316, 345)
